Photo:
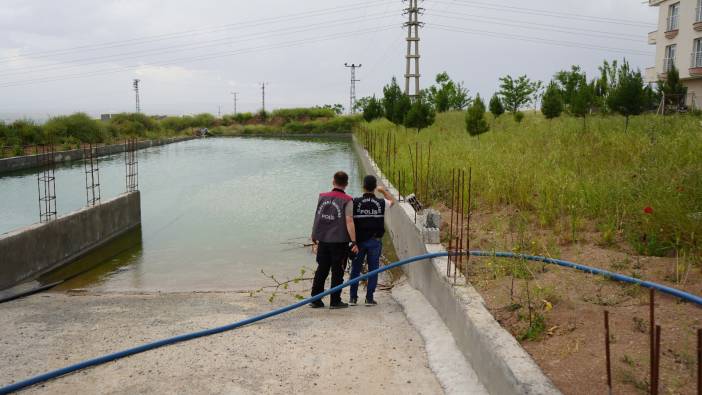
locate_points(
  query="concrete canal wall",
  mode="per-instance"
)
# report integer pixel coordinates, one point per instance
(28, 252)
(500, 362)
(29, 161)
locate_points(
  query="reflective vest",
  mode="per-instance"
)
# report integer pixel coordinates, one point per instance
(369, 217)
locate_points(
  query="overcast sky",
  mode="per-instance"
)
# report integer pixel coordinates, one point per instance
(65, 56)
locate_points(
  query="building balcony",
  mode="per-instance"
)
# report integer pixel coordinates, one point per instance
(655, 2)
(652, 37)
(673, 27)
(697, 25)
(696, 64)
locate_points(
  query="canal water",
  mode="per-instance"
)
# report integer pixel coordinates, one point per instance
(216, 213)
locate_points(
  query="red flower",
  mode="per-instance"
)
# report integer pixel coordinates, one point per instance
(648, 210)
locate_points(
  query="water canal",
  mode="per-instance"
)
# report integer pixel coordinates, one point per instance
(215, 212)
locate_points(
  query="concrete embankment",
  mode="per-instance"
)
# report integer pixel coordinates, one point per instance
(30, 161)
(28, 252)
(500, 362)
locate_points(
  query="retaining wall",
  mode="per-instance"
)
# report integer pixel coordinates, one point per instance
(30, 161)
(500, 362)
(28, 252)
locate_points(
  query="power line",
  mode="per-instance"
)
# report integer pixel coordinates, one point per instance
(538, 26)
(541, 12)
(176, 48)
(175, 35)
(538, 40)
(194, 59)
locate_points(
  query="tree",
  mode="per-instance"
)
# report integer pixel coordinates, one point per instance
(337, 108)
(606, 83)
(475, 118)
(420, 115)
(496, 107)
(582, 101)
(568, 82)
(395, 103)
(672, 90)
(628, 97)
(373, 109)
(448, 95)
(516, 93)
(552, 103)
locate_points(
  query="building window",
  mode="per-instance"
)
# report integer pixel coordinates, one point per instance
(669, 60)
(673, 16)
(698, 11)
(697, 53)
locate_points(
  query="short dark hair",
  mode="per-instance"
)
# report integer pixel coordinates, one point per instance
(370, 183)
(341, 179)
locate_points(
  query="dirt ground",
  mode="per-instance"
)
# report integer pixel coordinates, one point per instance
(356, 350)
(569, 344)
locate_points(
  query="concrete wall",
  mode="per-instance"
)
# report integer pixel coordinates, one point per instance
(28, 252)
(27, 162)
(500, 362)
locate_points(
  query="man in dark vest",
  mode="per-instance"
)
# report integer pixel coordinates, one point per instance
(369, 218)
(332, 232)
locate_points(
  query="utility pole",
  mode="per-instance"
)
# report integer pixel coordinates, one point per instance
(263, 95)
(413, 24)
(136, 91)
(352, 101)
(234, 94)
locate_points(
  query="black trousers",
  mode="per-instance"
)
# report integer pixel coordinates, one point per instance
(330, 256)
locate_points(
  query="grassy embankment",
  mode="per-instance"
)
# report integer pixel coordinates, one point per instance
(68, 132)
(643, 186)
(602, 197)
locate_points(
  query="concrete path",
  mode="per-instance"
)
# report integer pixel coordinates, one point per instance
(357, 350)
(445, 359)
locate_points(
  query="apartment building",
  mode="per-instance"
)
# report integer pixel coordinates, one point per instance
(678, 42)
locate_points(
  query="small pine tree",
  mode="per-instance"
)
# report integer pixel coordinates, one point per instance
(475, 118)
(392, 94)
(628, 96)
(401, 109)
(552, 102)
(420, 115)
(373, 109)
(582, 101)
(496, 107)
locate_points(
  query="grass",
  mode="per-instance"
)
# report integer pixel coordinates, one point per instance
(642, 186)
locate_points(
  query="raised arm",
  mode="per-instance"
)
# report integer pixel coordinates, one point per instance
(388, 196)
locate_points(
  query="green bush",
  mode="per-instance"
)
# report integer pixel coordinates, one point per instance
(177, 124)
(25, 132)
(334, 125)
(78, 127)
(302, 114)
(203, 120)
(132, 124)
(475, 118)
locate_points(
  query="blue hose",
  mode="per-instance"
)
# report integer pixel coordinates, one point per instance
(194, 335)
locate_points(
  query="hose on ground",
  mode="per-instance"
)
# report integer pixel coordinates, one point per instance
(207, 332)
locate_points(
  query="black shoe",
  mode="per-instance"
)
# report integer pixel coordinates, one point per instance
(371, 302)
(340, 305)
(317, 304)
(353, 301)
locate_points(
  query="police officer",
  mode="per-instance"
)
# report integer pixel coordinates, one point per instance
(369, 221)
(332, 232)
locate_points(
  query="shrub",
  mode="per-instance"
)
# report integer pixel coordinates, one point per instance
(518, 117)
(203, 120)
(496, 107)
(552, 103)
(373, 109)
(583, 101)
(177, 124)
(25, 132)
(75, 128)
(475, 118)
(132, 124)
(302, 114)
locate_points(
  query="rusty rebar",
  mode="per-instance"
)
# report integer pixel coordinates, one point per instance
(652, 340)
(453, 190)
(699, 361)
(470, 190)
(607, 352)
(657, 375)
